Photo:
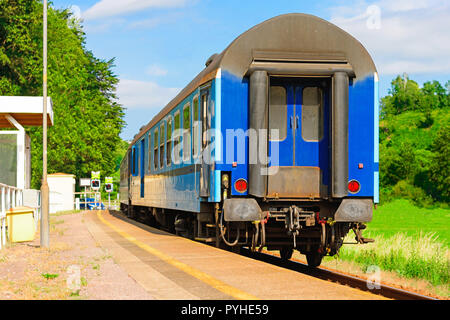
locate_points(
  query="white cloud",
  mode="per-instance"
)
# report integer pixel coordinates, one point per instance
(407, 5)
(109, 8)
(146, 24)
(102, 26)
(133, 94)
(155, 70)
(410, 37)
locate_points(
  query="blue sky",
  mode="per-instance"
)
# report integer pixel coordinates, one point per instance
(161, 45)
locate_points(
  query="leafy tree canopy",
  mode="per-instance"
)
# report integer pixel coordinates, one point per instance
(415, 141)
(88, 120)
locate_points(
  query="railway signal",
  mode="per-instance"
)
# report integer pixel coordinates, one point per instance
(95, 180)
(109, 186)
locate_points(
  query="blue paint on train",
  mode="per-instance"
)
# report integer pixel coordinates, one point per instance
(360, 135)
(376, 177)
(168, 190)
(229, 103)
(234, 120)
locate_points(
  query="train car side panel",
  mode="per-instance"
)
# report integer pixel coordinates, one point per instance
(361, 136)
(234, 128)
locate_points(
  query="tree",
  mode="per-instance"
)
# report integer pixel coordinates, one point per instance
(414, 141)
(88, 120)
(404, 95)
(440, 166)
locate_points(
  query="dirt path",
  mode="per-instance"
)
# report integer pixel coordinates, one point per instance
(74, 267)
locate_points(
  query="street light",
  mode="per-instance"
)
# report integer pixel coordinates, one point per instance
(45, 226)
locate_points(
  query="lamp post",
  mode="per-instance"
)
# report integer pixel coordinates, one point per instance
(45, 226)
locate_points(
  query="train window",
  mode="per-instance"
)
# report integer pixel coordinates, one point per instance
(195, 128)
(312, 114)
(187, 132)
(204, 119)
(133, 162)
(130, 157)
(176, 140)
(149, 152)
(169, 141)
(138, 161)
(155, 149)
(278, 111)
(162, 143)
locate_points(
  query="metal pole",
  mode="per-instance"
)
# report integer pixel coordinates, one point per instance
(45, 226)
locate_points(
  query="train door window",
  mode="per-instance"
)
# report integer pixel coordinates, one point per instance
(169, 141)
(138, 161)
(155, 149)
(195, 128)
(176, 140)
(135, 161)
(204, 111)
(130, 162)
(312, 114)
(187, 132)
(162, 143)
(278, 111)
(150, 151)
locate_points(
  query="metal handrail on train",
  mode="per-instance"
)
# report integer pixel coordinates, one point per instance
(11, 197)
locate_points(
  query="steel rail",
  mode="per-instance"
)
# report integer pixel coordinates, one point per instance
(336, 276)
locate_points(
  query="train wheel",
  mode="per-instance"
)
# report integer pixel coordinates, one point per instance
(286, 253)
(314, 259)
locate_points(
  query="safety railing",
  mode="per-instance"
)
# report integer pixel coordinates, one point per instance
(88, 200)
(93, 200)
(11, 197)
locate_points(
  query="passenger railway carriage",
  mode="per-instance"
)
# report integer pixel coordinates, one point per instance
(274, 144)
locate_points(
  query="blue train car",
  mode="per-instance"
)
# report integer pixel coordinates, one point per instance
(274, 144)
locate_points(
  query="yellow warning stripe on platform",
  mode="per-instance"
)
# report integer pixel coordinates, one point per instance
(209, 280)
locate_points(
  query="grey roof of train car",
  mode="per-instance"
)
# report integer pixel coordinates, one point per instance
(288, 37)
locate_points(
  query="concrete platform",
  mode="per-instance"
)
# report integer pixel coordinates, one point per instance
(175, 268)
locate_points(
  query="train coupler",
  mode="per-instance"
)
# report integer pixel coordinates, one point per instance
(357, 229)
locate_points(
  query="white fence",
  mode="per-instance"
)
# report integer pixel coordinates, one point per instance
(11, 197)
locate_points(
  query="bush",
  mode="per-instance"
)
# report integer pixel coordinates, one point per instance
(417, 195)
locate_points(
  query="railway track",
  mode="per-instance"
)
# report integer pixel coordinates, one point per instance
(335, 276)
(321, 273)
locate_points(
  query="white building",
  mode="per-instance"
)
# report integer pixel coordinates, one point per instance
(62, 192)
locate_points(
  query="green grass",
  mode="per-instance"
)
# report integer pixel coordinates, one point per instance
(50, 276)
(421, 257)
(400, 216)
(410, 241)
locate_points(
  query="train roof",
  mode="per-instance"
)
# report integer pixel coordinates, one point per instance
(294, 37)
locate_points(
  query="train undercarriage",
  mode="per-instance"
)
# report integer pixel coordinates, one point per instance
(308, 227)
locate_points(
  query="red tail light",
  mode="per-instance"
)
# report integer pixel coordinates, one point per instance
(354, 186)
(241, 185)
